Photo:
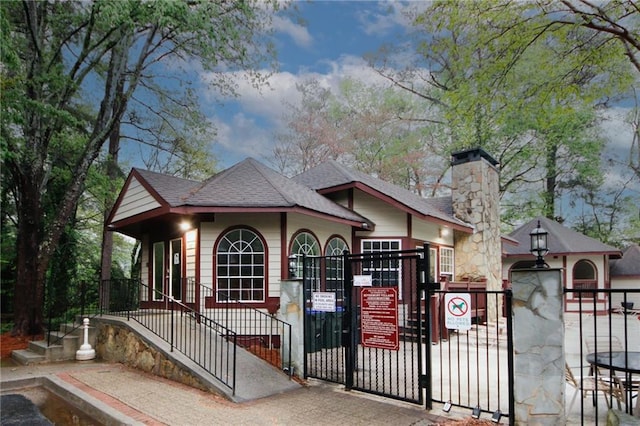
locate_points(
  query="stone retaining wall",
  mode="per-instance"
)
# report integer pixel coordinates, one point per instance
(115, 343)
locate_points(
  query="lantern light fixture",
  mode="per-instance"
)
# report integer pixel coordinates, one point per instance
(539, 245)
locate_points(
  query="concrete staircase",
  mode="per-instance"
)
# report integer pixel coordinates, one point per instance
(63, 347)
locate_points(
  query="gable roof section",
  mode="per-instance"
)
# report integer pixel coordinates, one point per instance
(332, 176)
(146, 191)
(629, 265)
(247, 186)
(561, 241)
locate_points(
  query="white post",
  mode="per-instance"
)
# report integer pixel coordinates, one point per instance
(86, 352)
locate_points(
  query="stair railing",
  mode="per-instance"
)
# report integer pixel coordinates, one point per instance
(209, 344)
(78, 307)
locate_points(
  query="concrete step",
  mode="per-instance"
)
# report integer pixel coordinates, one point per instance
(27, 357)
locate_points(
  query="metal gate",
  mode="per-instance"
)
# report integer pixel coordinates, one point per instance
(400, 347)
(364, 322)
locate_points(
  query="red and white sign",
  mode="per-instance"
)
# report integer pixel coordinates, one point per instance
(379, 318)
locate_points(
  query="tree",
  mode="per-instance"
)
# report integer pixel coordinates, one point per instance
(70, 72)
(618, 20)
(508, 78)
(371, 128)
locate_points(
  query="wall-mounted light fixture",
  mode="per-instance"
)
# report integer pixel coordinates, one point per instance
(539, 245)
(185, 225)
(293, 266)
(444, 232)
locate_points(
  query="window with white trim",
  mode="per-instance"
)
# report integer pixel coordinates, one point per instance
(335, 266)
(305, 244)
(384, 272)
(446, 262)
(240, 264)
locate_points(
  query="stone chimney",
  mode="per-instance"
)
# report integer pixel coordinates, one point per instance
(475, 196)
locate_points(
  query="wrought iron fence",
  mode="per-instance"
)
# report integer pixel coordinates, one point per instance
(65, 314)
(472, 366)
(209, 344)
(602, 341)
(262, 333)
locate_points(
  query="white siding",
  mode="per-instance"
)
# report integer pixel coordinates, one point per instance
(427, 231)
(389, 221)
(135, 201)
(322, 229)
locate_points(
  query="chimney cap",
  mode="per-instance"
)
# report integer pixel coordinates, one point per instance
(472, 154)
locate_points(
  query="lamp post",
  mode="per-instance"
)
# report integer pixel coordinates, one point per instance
(539, 245)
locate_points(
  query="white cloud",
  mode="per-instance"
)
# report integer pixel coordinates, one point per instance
(388, 16)
(298, 33)
(251, 131)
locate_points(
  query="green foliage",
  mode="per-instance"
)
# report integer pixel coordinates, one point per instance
(76, 75)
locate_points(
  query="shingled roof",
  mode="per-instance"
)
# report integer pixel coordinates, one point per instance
(246, 185)
(629, 265)
(561, 240)
(169, 188)
(331, 176)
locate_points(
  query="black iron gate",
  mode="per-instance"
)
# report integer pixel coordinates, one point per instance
(364, 322)
(375, 323)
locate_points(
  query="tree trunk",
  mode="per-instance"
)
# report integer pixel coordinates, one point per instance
(29, 287)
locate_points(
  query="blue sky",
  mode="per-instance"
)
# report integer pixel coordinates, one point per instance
(329, 46)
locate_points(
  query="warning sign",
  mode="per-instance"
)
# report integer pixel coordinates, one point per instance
(323, 301)
(379, 318)
(457, 314)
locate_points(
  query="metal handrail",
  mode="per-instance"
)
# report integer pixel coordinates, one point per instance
(209, 344)
(88, 309)
(260, 332)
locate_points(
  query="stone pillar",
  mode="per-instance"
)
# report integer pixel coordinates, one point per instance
(538, 347)
(292, 311)
(475, 200)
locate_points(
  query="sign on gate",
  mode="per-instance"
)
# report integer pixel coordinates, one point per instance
(457, 311)
(379, 317)
(323, 301)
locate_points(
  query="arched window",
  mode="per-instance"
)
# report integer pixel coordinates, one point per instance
(335, 266)
(336, 247)
(305, 244)
(240, 264)
(585, 277)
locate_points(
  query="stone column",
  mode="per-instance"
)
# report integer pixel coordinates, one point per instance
(292, 311)
(475, 200)
(538, 346)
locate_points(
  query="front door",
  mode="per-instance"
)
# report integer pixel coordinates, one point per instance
(175, 269)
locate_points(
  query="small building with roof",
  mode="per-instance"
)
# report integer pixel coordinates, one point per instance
(238, 230)
(586, 263)
(625, 273)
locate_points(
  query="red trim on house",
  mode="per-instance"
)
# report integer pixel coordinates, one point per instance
(332, 236)
(393, 202)
(271, 303)
(284, 258)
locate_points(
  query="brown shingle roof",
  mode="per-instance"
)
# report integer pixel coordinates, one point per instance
(248, 184)
(629, 265)
(332, 174)
(170, 188)
(561, 240)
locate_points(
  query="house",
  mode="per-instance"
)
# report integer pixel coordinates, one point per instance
(238, 230)
(585, 262)
(625, 273)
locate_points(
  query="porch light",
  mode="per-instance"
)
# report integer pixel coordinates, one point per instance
(185, 226)
(539, 245)
(293, 266)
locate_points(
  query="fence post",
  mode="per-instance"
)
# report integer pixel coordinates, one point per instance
(538, 346)
(171, 313)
